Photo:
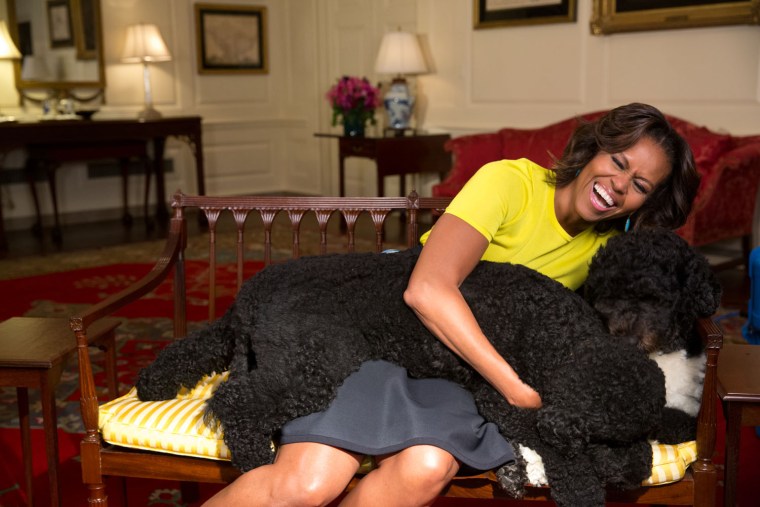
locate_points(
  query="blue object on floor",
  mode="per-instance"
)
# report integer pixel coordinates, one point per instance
(751, 330)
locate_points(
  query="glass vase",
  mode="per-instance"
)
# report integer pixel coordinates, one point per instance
(353, 125)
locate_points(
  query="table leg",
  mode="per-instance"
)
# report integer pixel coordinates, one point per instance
(731, 464)
(50, 169)
(162, 214)
(30, 171)
(3, 239)
(48, 381)
(196, 144)
(22, 398)
(126, 216)
(342, 175)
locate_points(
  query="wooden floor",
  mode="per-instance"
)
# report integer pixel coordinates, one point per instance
(23, 243)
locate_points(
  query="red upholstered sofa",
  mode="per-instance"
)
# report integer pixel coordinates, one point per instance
(729, 165)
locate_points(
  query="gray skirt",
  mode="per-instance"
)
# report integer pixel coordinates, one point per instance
(380, 410)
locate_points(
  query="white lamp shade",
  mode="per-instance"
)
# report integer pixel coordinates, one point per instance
(8, 49)
(145, 44)
(400, 53)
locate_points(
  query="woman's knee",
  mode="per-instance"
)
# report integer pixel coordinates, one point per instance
(313, 475)
(427, 467)
(307, 490)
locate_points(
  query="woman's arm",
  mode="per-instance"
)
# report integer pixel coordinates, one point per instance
(451, 252)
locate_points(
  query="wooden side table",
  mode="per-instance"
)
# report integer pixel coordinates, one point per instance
(739, 390)
(394, 156)
(32, 355)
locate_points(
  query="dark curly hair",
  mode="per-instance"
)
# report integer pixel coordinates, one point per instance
(669, 204)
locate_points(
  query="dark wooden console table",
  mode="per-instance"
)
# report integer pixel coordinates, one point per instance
(59, 141)
(395, 156)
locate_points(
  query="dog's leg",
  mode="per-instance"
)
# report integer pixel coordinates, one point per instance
(512, 477)
(622, 467)
(676, 427)
(184, 362)
(573, 483)
(291, 379)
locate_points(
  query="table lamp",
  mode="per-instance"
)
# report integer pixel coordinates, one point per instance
(8, 51)
(400, 54)
(34, 68)
(145, 45)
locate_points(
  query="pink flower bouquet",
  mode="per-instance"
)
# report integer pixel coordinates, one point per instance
(353, 100)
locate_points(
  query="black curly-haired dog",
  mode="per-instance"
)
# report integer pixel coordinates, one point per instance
(298, 329)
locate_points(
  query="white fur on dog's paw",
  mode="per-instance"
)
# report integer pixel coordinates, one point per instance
(684, 377)
(534, 466)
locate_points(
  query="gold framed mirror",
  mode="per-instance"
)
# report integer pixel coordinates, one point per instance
(62, 46)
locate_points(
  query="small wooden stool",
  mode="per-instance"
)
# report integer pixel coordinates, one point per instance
(739, 390)
(32, 354)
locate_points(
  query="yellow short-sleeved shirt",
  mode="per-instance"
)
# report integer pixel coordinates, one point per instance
(511, 203)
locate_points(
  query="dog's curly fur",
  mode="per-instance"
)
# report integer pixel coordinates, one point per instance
(298, 329)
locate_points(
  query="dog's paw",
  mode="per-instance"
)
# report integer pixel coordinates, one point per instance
(534, 466)
(249, 455)
(153, 387)
(511, 476)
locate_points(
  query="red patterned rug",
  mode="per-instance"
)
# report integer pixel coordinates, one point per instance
(143, 333)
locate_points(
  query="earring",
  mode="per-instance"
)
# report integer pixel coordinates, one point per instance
(627, 224)
(577, 173)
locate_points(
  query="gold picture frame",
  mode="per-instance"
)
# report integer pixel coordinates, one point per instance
(85, 15)
(231, 39)
(501, 13)
(60, 31)
(613, 16)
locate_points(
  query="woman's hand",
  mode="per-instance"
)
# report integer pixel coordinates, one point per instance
(452, 251)
(524, 396)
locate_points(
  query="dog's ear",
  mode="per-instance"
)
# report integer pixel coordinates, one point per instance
(702, 291)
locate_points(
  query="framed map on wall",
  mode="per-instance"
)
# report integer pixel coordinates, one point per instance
(232, 39)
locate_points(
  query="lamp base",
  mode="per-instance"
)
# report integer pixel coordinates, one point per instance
(148, 114)
(399, 104)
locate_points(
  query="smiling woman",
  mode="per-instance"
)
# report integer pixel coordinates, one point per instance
(612, 185)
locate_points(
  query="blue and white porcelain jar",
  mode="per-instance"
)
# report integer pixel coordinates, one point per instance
(399, 104)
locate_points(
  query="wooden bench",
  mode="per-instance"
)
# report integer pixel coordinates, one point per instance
(100, 459)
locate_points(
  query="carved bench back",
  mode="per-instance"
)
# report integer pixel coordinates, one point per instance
(264, 210)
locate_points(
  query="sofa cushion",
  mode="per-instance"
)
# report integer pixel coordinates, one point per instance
(542, 145)
(470, 153)
(706, 145)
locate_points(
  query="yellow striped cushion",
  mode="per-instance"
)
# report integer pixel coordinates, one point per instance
(669, 462)
(174, 426)
(177, 427)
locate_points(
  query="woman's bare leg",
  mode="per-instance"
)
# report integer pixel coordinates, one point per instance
(303, 474)
(410, 478)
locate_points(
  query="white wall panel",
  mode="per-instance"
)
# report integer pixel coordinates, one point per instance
(526, 64)
(535, 75)
(698, 65)
(241, 169)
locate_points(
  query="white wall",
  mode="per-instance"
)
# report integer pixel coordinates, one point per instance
(258, 129)
(534, 75)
